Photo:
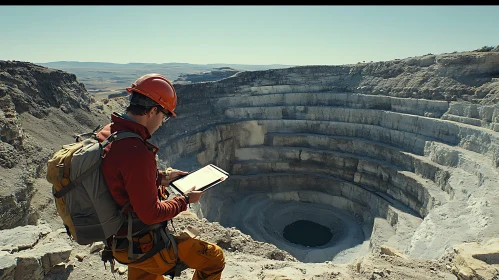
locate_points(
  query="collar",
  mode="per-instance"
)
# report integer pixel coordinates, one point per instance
(125, 116)
(125, 122)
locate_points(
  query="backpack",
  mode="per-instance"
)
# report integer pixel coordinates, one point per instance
(82, 198)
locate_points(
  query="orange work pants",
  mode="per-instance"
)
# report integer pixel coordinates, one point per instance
(206, 258)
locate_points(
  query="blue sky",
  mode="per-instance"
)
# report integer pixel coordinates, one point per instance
(292, 35)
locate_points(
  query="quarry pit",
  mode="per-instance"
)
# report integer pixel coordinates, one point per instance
(331, 175)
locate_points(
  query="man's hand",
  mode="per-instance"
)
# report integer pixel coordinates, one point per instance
(171, 175)
(176, 173)
(193, 195)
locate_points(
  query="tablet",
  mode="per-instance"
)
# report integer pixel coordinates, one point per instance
(204, 178)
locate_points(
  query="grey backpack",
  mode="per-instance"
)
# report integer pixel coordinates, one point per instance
(83, 201)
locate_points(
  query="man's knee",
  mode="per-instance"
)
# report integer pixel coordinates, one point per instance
(202, 255)
(219, 255)
(216, 257)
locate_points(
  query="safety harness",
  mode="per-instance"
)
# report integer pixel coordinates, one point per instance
(163, 238)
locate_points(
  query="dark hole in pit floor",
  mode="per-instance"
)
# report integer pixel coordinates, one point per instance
(307, 233)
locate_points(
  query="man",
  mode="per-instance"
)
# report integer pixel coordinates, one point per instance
(130, 170)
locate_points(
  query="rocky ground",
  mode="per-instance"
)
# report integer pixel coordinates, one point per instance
(249, 260)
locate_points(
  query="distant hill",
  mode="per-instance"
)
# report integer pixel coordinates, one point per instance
(188, 66)
(104, 78)
(209, 76)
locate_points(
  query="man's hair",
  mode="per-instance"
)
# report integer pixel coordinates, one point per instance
(140, 104)
(137, 110)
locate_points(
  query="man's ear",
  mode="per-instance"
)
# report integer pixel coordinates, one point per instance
(153, 111)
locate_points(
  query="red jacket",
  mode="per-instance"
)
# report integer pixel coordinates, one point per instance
(131, 173)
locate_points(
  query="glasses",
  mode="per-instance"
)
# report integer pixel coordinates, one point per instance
(167, 114)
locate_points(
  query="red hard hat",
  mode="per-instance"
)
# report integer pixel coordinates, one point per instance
(158, 88)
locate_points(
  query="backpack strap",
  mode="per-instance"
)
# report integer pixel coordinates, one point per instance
(118, 135)
(131, 255)
(78, 137)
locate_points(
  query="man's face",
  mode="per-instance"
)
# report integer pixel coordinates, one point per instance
(157, 116)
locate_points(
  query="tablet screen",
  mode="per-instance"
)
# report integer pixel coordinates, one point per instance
(203, 178)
